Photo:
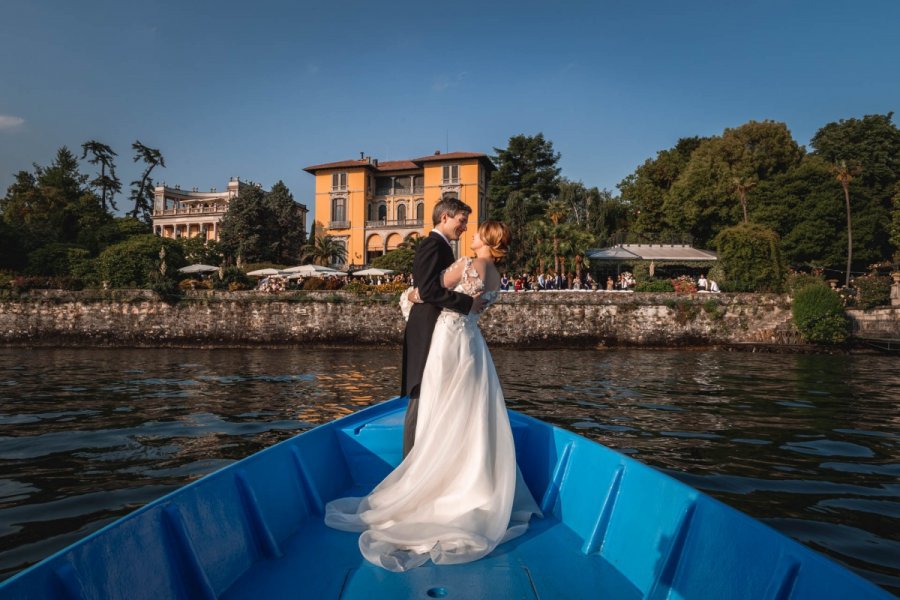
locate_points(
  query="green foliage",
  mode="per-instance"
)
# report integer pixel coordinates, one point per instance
(232, 278)
(751, 259)
(12, 248)
(527, 165)
(873, 290)
(399, 260)
(895, 223)
(52, 259)
(795, 281)
(325, 250)
(197, 250)
(166, 287)
(263, 227)
(142, 189)
(133, 262)
(818, 313)
(314, 283)
(655, 285)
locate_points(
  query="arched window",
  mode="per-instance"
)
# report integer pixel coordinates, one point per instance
(401, 212)
(339, 209)
(382, 212)
(370, 212)
(420, 211)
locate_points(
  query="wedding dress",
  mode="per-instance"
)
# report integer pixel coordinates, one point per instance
(459, 493)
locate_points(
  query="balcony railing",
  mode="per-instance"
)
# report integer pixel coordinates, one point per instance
(339, 225)
(395, 223)
(200, 210)
(399, 191)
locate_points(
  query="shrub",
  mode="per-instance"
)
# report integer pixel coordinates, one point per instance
(872, 290)
(134, 262)
(750, 257)
(795, 281)
(655, 285)
(400, 260)
(684, 285)
(166, 288)
(232, 279)
(314, 283)
(818, 313)
(52, 259)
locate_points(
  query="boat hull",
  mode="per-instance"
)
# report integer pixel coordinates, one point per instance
(613, 528)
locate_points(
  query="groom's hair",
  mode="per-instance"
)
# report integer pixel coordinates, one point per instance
(451, 206)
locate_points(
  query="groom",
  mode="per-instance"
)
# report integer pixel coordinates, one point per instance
(433, 255)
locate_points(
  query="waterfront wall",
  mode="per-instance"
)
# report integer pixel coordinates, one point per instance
(137, 318)
(876, 322)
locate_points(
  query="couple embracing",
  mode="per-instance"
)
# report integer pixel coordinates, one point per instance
(458, 492)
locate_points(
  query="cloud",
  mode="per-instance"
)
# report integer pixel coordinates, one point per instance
(10, 122)
(445, 82)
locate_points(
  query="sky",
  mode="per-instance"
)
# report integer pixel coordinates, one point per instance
(261, 89)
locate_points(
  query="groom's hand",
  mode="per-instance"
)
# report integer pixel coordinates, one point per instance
(477, 305)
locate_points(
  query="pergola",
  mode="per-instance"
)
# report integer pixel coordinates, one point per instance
(673, 253)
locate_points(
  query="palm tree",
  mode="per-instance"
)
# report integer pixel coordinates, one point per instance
(108, 184)
(152, 158)
(324, 251)
(742, 185)
(411, 242)
(844, 174)
(556, 211)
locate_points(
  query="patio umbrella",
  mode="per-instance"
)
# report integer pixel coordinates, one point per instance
(373, 272)
(264, 272)
(312, 271)
(198, 269)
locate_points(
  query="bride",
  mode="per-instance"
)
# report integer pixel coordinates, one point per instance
(458, 493)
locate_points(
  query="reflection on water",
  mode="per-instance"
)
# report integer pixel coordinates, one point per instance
(810, 444)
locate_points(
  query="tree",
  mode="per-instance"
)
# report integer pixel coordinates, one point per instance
(873, 144)
(142, 189)
(527, 165)
(289, 224)
(845, 174)
(516, 219)
(895, 224)
(248, 231)
(399, 260)
(107, 181)
(325, 250)
(644, 192)
(556, 212)
(134, 262)
(750, 256)
(742, 185)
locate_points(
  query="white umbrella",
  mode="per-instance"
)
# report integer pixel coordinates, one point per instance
(312, 271)
(198, 269)
(264, 272)
(373, 272)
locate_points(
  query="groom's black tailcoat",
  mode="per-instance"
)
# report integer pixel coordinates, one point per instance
(432, 256)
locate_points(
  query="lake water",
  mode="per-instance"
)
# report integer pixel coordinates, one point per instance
(810, 444)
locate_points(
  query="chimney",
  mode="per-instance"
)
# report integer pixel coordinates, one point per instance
(362, 156)
(437, 152)
(375, 162)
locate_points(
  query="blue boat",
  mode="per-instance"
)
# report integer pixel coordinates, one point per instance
(612, 528)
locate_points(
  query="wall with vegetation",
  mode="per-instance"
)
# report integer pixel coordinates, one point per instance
(137, 318)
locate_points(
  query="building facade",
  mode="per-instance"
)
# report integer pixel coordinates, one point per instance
(372, 207)
(177, 213)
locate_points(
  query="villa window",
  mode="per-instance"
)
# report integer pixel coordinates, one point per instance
(420, 212)
(339, 209)
(339, 181)
(371, 212)
(401, 212)
(382, 212)
(451, 174)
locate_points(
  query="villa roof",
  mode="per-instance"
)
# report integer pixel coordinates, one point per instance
(679, 252)
(401, 165)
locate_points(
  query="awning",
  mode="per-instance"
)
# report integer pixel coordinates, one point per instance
(662, 252)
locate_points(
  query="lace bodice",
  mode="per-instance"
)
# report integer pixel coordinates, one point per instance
(470, 282)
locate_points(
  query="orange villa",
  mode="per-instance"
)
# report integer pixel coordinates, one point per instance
(372, 206)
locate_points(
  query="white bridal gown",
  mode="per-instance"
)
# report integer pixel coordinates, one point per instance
(458, 493)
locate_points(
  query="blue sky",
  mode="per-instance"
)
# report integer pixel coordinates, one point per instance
(262, 89)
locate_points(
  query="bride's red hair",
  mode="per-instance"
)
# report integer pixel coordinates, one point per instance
(495, 236)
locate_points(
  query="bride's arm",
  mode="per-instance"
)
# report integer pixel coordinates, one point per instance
(452, 275)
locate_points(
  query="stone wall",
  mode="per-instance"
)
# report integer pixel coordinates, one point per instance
(875, 323)
(136, 318)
